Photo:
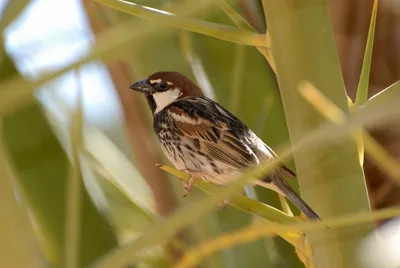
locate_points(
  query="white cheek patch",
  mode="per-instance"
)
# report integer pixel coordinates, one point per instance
(165, 98)
(155, 81)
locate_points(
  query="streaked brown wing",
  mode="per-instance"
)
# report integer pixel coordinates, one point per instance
(216, 140)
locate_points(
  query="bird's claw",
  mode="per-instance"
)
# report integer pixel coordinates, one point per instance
(187, 186)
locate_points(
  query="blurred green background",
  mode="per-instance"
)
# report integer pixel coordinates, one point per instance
(112, 174)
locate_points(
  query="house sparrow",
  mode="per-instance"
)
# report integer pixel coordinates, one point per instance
(205, 140)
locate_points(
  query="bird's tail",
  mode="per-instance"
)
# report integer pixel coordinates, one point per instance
(279, 185)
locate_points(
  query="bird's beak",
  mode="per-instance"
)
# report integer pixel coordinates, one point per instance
(142, 86)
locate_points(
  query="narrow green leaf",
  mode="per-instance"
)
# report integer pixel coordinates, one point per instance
(74, 189)
(235, 17)
(224, 32)
(362, 89)
(239, 201)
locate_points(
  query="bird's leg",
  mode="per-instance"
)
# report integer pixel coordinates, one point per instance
(187, 185)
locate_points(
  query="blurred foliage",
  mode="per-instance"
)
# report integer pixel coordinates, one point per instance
(118, 207)
(15, 229)
(41, 168)
(44, 185)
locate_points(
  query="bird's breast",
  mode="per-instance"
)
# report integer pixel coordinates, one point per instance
(185, 153)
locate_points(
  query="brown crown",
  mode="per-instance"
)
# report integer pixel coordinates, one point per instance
(178, 80)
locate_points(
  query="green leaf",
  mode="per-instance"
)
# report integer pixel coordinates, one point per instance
(219, 31)
(241, 202)
(74, 190)
(235, 17)
(362, 89)
(304, 50)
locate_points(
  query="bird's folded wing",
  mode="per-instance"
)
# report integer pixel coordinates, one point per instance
(215, 138)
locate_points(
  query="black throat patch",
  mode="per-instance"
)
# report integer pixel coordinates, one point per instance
(151, 102)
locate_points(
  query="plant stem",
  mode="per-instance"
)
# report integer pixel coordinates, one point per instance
(331, 179)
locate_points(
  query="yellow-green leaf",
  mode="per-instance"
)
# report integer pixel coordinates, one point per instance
(224, 32)
(362, 89)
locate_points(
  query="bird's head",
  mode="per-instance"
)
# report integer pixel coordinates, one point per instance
(164, 88)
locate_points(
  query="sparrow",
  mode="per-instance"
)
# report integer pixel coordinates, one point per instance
(202, 138)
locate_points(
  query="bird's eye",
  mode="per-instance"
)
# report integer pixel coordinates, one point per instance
(163, 85)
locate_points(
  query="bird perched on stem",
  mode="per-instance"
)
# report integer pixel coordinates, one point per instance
(205, 140)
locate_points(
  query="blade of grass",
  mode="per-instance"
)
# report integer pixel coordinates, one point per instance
(362, 89)
(285, 205)
(185, 216)
(74, 189)
(240, 202)
(235, 17)
(224, 32)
